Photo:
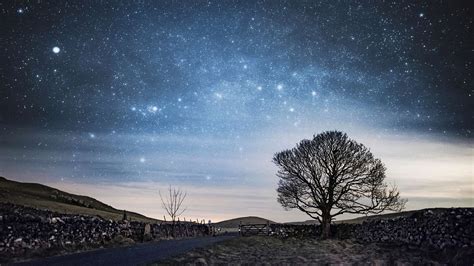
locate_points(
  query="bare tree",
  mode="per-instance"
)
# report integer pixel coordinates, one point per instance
(330, 175)
(172, 203)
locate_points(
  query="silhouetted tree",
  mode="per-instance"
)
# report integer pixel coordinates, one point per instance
(172, 203)
(332, 174)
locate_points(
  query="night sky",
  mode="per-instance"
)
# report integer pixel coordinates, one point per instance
(119, 99)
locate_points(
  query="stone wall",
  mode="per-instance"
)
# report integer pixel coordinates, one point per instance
(25, 231)
(431, 228)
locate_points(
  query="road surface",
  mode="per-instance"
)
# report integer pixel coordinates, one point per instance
(131, 255)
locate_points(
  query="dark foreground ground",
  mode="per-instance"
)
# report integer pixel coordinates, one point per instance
(271, 250)
(138, 254)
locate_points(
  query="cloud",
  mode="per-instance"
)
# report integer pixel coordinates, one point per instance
(223, 181)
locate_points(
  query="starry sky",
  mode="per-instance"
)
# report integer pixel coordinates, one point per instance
(118, 99)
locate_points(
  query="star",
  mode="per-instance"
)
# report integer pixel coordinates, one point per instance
(213, 88)
(152, 109)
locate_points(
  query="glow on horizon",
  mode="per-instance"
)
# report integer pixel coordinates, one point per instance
(430, 173)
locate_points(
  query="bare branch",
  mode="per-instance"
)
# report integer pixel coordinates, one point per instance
(333, 172)
(172, 204)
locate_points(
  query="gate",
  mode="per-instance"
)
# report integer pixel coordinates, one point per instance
(254, 229)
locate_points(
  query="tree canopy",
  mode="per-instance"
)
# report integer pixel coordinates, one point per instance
(332, 174)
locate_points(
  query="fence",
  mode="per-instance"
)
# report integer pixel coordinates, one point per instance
(254, 229)
(430, 228)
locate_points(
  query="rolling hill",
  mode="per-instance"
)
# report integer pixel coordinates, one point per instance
(362, 218)
(234, 223)
(48, 198)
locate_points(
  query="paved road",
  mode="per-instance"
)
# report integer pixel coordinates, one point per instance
(133, 255)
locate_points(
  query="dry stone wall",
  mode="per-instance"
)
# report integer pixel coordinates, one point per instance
(24, 231)
(430, 228)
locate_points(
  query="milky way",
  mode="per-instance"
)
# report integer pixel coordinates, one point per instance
(202, 93)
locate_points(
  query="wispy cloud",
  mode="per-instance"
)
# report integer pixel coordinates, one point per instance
(224, 181)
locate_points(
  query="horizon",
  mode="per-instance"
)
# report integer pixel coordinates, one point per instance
(118, 102)
(183, 217)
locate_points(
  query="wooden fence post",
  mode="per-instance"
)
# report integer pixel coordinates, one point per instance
(240, 228)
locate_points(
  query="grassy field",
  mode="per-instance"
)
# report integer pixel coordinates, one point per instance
(48, 198)
(272, 250)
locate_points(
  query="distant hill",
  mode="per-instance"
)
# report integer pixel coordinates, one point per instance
(234, 223)
(48, 198)
(372, 217)
(307, 222)
(361, 219)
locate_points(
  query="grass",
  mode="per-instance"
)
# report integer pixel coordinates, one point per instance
(272, 250)
(48, 198)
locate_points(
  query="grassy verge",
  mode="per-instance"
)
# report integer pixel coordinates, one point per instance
(272, 250)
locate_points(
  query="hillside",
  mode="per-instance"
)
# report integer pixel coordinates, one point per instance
(234, 223)
(48, 198)
(362, 219)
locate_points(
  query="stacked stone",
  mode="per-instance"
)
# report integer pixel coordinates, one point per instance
(439, 229)
(28, 230)
(180, 229)
(432, 228)
(293, 230)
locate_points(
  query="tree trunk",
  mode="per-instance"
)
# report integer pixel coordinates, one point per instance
(326, 226)
(173, 232)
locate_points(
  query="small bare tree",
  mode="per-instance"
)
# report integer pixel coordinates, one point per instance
(172, 203)
(330, 175)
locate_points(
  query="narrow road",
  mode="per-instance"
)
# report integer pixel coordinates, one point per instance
(132, 255)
